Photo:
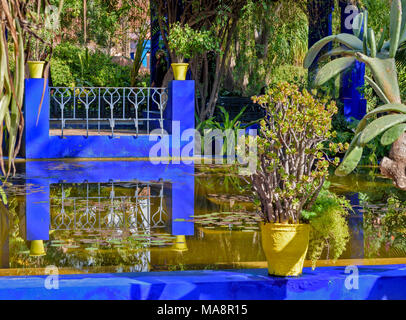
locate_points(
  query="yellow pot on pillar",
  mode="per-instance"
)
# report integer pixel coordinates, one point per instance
(285, 247)
(180, 70)
(36, 69)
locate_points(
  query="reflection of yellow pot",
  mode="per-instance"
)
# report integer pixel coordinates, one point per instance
(179, 70)
(285, 247)
(180, 244)
(37, 248)
(36, 69)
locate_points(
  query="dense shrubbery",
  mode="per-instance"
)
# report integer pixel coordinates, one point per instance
(72, 65)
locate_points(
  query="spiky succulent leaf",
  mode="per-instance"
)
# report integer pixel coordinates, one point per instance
(391, 107)
(357, 24)
(376, 127)
(365, 32)
(385, 75)
(395, 107)
(377, 90)
(382, 39)
(393, 134)
(395, 27)
(372, 42)
(348, 40)
(339, 51)
(350, 161)
(332, 69)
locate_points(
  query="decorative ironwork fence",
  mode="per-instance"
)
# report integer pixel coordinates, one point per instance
(139, 213)
(136, 110)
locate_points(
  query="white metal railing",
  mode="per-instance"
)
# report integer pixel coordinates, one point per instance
(141, 109)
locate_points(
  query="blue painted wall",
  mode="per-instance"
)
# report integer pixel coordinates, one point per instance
(375, 283)
(38, 144)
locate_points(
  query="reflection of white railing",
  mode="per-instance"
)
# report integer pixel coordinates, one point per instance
(113, 212)
(108, 106)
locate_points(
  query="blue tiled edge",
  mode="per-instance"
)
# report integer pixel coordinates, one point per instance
(326, 283)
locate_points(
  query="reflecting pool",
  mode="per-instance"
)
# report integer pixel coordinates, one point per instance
(134, 216)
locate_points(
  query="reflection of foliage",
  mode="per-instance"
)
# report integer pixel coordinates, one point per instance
(242, 221)
(385, 228)
(329, 228)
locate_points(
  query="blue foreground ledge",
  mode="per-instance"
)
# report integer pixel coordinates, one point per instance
(325, 283)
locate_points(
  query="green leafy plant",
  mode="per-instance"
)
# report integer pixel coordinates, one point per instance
(231, 126)
(188, 43)
(292, 166)
(379, 57)
(329, 228)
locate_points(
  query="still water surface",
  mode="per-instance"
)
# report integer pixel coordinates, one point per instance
(137, 217)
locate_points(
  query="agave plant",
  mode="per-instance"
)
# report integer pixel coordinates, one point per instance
(379, 57)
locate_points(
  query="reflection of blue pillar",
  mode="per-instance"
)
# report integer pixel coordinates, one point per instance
(355, 105)
(183, 203)
(37, 211)
(356, 225)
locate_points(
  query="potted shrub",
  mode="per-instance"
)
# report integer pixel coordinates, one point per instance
(292, 170)
(187, 43)
(41, 45)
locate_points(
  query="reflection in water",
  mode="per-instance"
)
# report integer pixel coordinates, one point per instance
(89, 219)
(108, 206)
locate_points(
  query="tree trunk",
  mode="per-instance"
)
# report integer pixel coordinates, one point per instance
(394, 166)
(84, 22)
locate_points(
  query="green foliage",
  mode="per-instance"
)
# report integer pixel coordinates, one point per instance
(188, 43)
(381, 63)
(289, 73)
(226, 124)
(72, 65)
(384, 230)
(292, 165)
(329, 227)
(270, 42)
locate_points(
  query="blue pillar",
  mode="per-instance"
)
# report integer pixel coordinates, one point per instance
(355, 105)
(180, 111)
(35, 136)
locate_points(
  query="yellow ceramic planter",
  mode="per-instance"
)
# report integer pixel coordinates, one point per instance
(36, 69)
(180, 70)
(285, 247)
(37, 248)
